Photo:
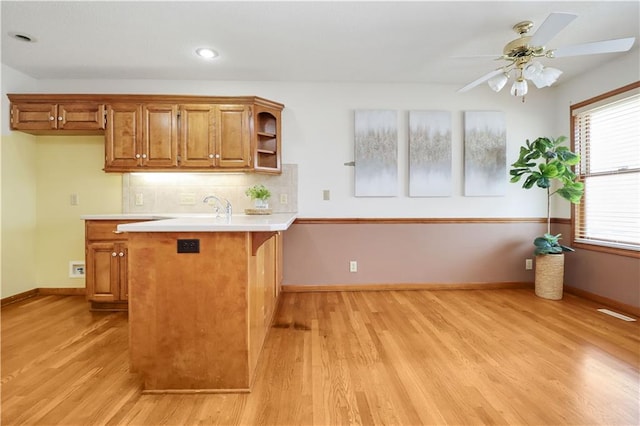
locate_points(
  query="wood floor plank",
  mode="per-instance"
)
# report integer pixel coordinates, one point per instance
(334, 358)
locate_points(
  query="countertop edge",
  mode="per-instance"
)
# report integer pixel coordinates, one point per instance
(258, 223)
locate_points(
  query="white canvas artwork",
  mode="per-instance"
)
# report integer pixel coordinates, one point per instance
(485, 153)
(376, 153)
(430, 154)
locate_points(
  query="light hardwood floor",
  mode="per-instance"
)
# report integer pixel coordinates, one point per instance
(395, 358)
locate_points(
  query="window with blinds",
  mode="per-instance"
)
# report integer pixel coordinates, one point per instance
(606, 134)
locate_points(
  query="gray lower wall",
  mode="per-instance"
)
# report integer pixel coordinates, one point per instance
(319, 254)
(609, 275)
(445, 253)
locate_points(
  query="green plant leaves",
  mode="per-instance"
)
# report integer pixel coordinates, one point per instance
(545, 160)
(549, 244)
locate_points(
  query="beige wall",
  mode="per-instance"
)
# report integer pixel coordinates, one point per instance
(69, 165)
(19, 183)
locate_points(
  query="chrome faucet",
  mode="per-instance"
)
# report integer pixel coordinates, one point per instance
(220, 203)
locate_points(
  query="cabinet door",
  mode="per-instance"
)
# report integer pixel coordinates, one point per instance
(81, 116)
(233, 136)
(197, 136)
(33, 116)
(103, 272)
(160, 136)
(123, 136)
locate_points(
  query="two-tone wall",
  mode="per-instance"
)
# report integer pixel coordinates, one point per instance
(454, 239)
(604, 274)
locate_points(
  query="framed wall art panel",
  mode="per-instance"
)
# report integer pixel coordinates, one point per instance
(376, 153)
(430, 154)
(485, 153)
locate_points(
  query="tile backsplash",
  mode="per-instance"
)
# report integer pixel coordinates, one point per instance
(184, 192)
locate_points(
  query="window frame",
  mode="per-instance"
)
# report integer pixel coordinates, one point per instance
(576, 208)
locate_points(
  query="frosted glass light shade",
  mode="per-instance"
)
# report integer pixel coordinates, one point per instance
(532, 70)
(498, 82)
(546, 78)
(520, 87)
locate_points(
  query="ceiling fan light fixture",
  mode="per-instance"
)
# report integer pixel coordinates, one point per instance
(520, 87)
(550, 75)
(498, 82)
(532, 70)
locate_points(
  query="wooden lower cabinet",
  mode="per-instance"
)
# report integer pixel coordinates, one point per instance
(198, 321)
(106, 258)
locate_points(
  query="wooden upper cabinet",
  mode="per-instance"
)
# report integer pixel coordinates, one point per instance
(215, 136)
(233, 147)
(123, 137)
(267, 145)
(197, 136)
(160, 136)
(40, 118)
(162, 132)
(141, 136)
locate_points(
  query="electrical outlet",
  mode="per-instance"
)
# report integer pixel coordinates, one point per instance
(74, 200)
(326, 195)
(528, 264)
(189, 246)
(284, 199)
(187, 199)
(353, 266)
(139, 199)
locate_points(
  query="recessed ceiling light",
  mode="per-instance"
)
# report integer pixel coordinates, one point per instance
(206, 53)
(23, 37)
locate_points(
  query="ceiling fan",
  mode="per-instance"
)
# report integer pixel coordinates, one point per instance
(521, 55)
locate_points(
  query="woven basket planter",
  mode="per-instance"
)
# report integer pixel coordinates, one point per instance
(549, 276)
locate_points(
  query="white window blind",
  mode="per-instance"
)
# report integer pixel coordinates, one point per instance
(607, 137)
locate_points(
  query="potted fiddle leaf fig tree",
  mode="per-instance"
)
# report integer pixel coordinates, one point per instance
(546, 163)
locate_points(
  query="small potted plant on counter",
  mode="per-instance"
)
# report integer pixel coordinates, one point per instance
(542, 162)
(260, 195)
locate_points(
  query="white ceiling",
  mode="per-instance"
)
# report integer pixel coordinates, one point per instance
(293, 41)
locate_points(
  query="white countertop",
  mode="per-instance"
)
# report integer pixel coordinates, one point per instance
(204, 222)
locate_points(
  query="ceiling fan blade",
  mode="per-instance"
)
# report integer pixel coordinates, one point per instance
(606, 46)
(480, 80)
(551, 26)
(494, 56)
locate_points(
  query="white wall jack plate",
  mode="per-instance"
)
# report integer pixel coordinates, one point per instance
(284, 199)
(353, 266)
(326, 195)
(139, 199)
(528, 264)
(74, 199)
(188, 199)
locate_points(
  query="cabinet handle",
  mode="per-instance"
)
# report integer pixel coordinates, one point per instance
(137, 155)
(114, 254)
(217, 155)
(59, 118)
(51, 118)
(144, 155)
(210, 155)
(121, 254)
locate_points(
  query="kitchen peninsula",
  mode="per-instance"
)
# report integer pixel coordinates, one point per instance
(202, 295)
